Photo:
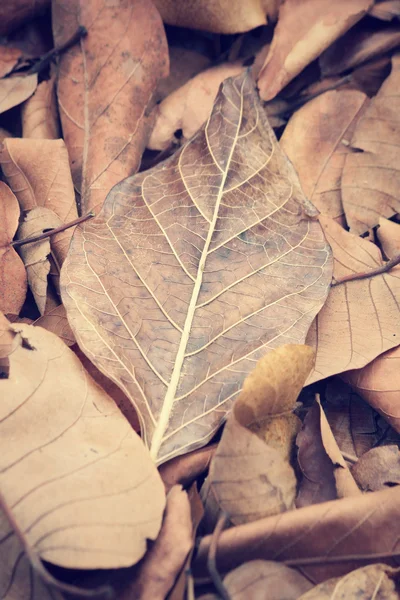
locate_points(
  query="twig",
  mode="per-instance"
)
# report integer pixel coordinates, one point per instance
(378, 271)
(43, 236)
(349, 457)
(212, 555)
(325, 560)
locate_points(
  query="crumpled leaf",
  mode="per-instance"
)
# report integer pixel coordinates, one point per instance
(250, 474)
(8, 59)
(371, 174)
(194, 270)
(378, 468)
(79, 483)
(379, 384)
(13, 281)
(38, 173)
(389, 237)
(305, 28)
(164, 560)
(55, 320)
(13, 14)
(338, 332)
(339, 528)
(189, 107)
(325, 472)
(373, 582)
(39, 112)
(265, 580)
(187, 468)
(105, 85)
(14, 90)
(184, 64)
(219, 16)
(314, 140)
(35, 255)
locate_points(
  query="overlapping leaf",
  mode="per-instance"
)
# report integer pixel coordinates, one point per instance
(194, 270)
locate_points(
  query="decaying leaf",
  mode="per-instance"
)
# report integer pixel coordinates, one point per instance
(14, 90)
(305, 28)
(371, 175)
(325, 473)
(187, 468)
(194, 270)
(250, 474)
(8, 59)
(165, 559)
(265, 580)
(314, 140)
(220, 16)
(339, 331)
(79, 483)
(377, 469)
(337, 529)
(39, 112)
(373, 582)
(35, 255)
(12, 14)
(37, 170)
(379, 384)
(13, 281)
(56, 321)
(389, 237)
(189, 107)
(105, 85)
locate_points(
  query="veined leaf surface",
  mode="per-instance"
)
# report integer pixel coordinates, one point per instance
(194, 270)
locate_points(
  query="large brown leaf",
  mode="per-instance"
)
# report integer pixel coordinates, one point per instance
(79, 483)
(104, 87)
(194, 270)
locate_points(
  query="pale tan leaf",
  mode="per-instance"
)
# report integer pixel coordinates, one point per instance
(338, 333)
(220, 16)
(35, 255)
(13, 14)
(377, 469)
(14, 90)
(326, 475)
(250, 474)
(371, 175)
(315, 141)
(39, 112)
(194, 270)
(184, 64)
(13, 281)
(56, 321)
(38, 172)
(305, 28)
(80, 483)
(373, 582)
(105, 85)
(330, 530)
(189, 107)
(389, 237)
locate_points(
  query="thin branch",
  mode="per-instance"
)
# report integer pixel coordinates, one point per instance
(325, 560)
(212, 556)
(393, 262)
(47, 234)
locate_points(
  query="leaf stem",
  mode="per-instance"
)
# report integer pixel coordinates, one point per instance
(378, 271)
(324, 560)
(43, 236)
(212, 555)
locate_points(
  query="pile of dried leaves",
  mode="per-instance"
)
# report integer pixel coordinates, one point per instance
(200, 385)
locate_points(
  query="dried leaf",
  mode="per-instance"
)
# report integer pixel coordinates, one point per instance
(35, 255)
(189, 107)
(313, 140)
(13, 14)
(265, 580)
(371, 176)
(13, 281)
(165, 559)
(374, 582)
(184, 64)
(305, 28)
(187, 468)
(194, 270)
(104, 87)
(79, 482)
(14, 90)
(8, 59)
(339, 331)
(389, 237)
(377, 469)
(329, 530)
(39, 113)
(325, 473)
(250, 474)
(379, 384)
(56, 321)
(219, 16)
(386, 10)
(38, 173)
